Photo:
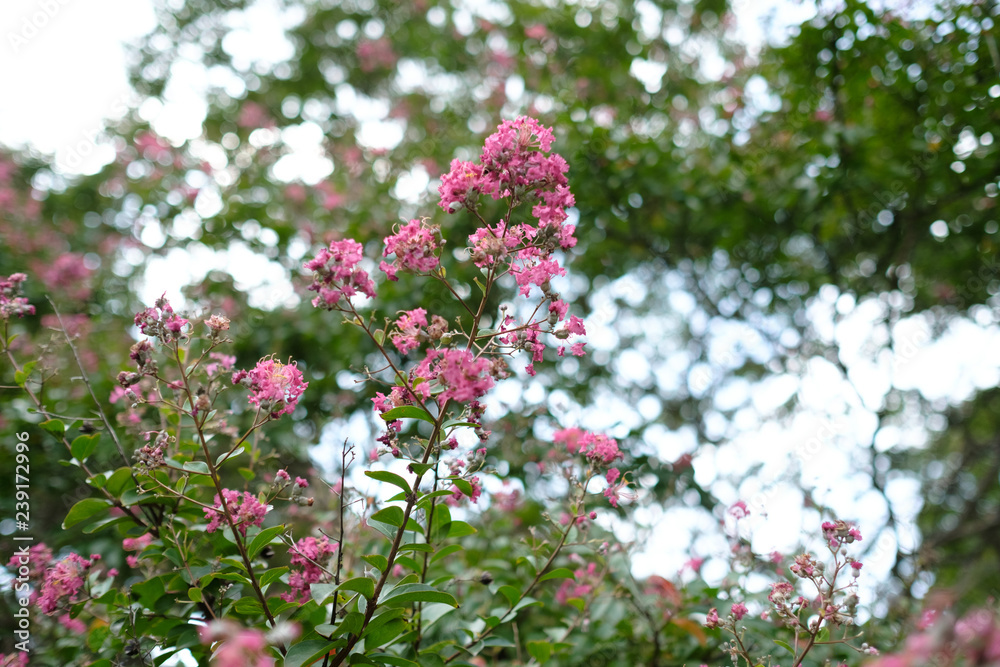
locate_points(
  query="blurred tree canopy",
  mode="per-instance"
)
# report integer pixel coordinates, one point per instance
(736, 206)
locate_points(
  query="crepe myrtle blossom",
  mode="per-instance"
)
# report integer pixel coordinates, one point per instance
(236, 646)
(63, 582)
(310, 555)
(275, 387)
(597, 448)
(840, 532)
(336, 274)
(409, 325)
(160, 321)
(136, 544)
(11, 300)
(415, 246)
(457, 496)
(245, 510)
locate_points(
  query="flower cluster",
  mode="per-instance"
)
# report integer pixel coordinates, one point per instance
(457, 495)
(941, 641)
(415, 245)
(67, 275)
(136, 544)
(597, 448)
(336, 274)
(311, 555)
(242, 647)
(160, 321)
(585, 578)
(463, 376)
(245, 509)
(840, 532)
(63, 582)
(275, 387)
(11, 301)
(282, 480)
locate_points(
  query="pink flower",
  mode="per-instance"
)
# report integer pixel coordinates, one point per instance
(460, 186)
(694, 563)
(457, 495)
(311, 554)
(242, 647)
(253, 115)
(245, 510)
(536, 31)
(275, 387)
(739, 610)
(74, 625)
(739, 510)
(409, 325)
(160, 321)
(415, 246)
(11, 301)
(336, 274)
(712, 620)
(68, 275)
(463, 376)
(616, 492)
(597, 448)
(375, 54)
(780, 592)
(136, 544)
(62, 583)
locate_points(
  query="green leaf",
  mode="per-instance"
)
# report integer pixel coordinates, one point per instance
(460, 529)
(262, 539)
(540, 650)
(423, 548)
(511, 593)
(85, 509)
(308, 652)
(462, 485)
(559, 573)
(784, 645)
(362, 585)
(321, 592)
(196, 467)
(380, 563)
(379, 336)
(405, 595)
(451, 423)
(195, 594)
(389, 477)
(394, 660)
(440, 522)
(351, 624)
(248, 606)
(83, 446)
(54, 426)
(407, 412)
(119, 481)
(390, 515)
(225, 456)
(420, 468)
(271, 576)
(445, 552)
(384, 634)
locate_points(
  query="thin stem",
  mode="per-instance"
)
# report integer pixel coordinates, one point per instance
(237, 536)
(86, 381)
(152, 527)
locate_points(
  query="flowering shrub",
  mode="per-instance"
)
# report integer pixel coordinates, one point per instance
(219, 559)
